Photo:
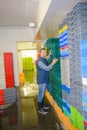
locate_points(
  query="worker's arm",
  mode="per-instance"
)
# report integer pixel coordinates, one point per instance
(44, 67)
(49, 67)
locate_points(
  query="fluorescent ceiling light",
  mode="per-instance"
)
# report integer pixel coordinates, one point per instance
(32, 25)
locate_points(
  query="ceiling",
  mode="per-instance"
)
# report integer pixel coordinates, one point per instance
(18, 12)
(22, 12)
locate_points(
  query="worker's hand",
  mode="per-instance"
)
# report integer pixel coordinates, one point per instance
(50, 53)
(54, 61)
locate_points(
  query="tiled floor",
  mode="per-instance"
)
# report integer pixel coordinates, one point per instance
(23, 114)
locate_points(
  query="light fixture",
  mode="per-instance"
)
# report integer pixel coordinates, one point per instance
(32, 25)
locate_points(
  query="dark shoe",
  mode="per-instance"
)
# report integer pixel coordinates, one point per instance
(46, 107)
(42, 111)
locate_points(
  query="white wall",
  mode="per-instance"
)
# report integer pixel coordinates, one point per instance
(9, 36)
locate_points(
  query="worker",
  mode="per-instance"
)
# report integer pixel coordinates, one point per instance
(43, 69)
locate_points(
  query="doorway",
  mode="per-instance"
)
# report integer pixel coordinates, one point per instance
(27, 56)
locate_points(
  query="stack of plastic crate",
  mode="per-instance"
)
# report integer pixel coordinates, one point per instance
(75, 77)
(75, 73)
(80, 11)
(10, 95)
(2, 98)
(7, 90)
(9, 71)
(77, 118)
(55, 73)
(27, 63)
(77, 26)
(64, 58)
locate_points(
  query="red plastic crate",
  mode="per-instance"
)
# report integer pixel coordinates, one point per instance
(10, 86)
(2, 102)
(9, 75)
(1, 91)
(10, 83)
(9, 71)
(2, 98)
(85, 123)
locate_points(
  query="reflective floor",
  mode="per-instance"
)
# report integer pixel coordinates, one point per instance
(23, 114)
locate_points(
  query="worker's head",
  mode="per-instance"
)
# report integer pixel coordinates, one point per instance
(43, 52)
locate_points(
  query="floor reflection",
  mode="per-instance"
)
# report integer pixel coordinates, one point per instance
(29, 114)
(29, 90)
(9, 118)
(23, 114)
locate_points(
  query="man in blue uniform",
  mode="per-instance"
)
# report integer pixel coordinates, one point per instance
(43, 69)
